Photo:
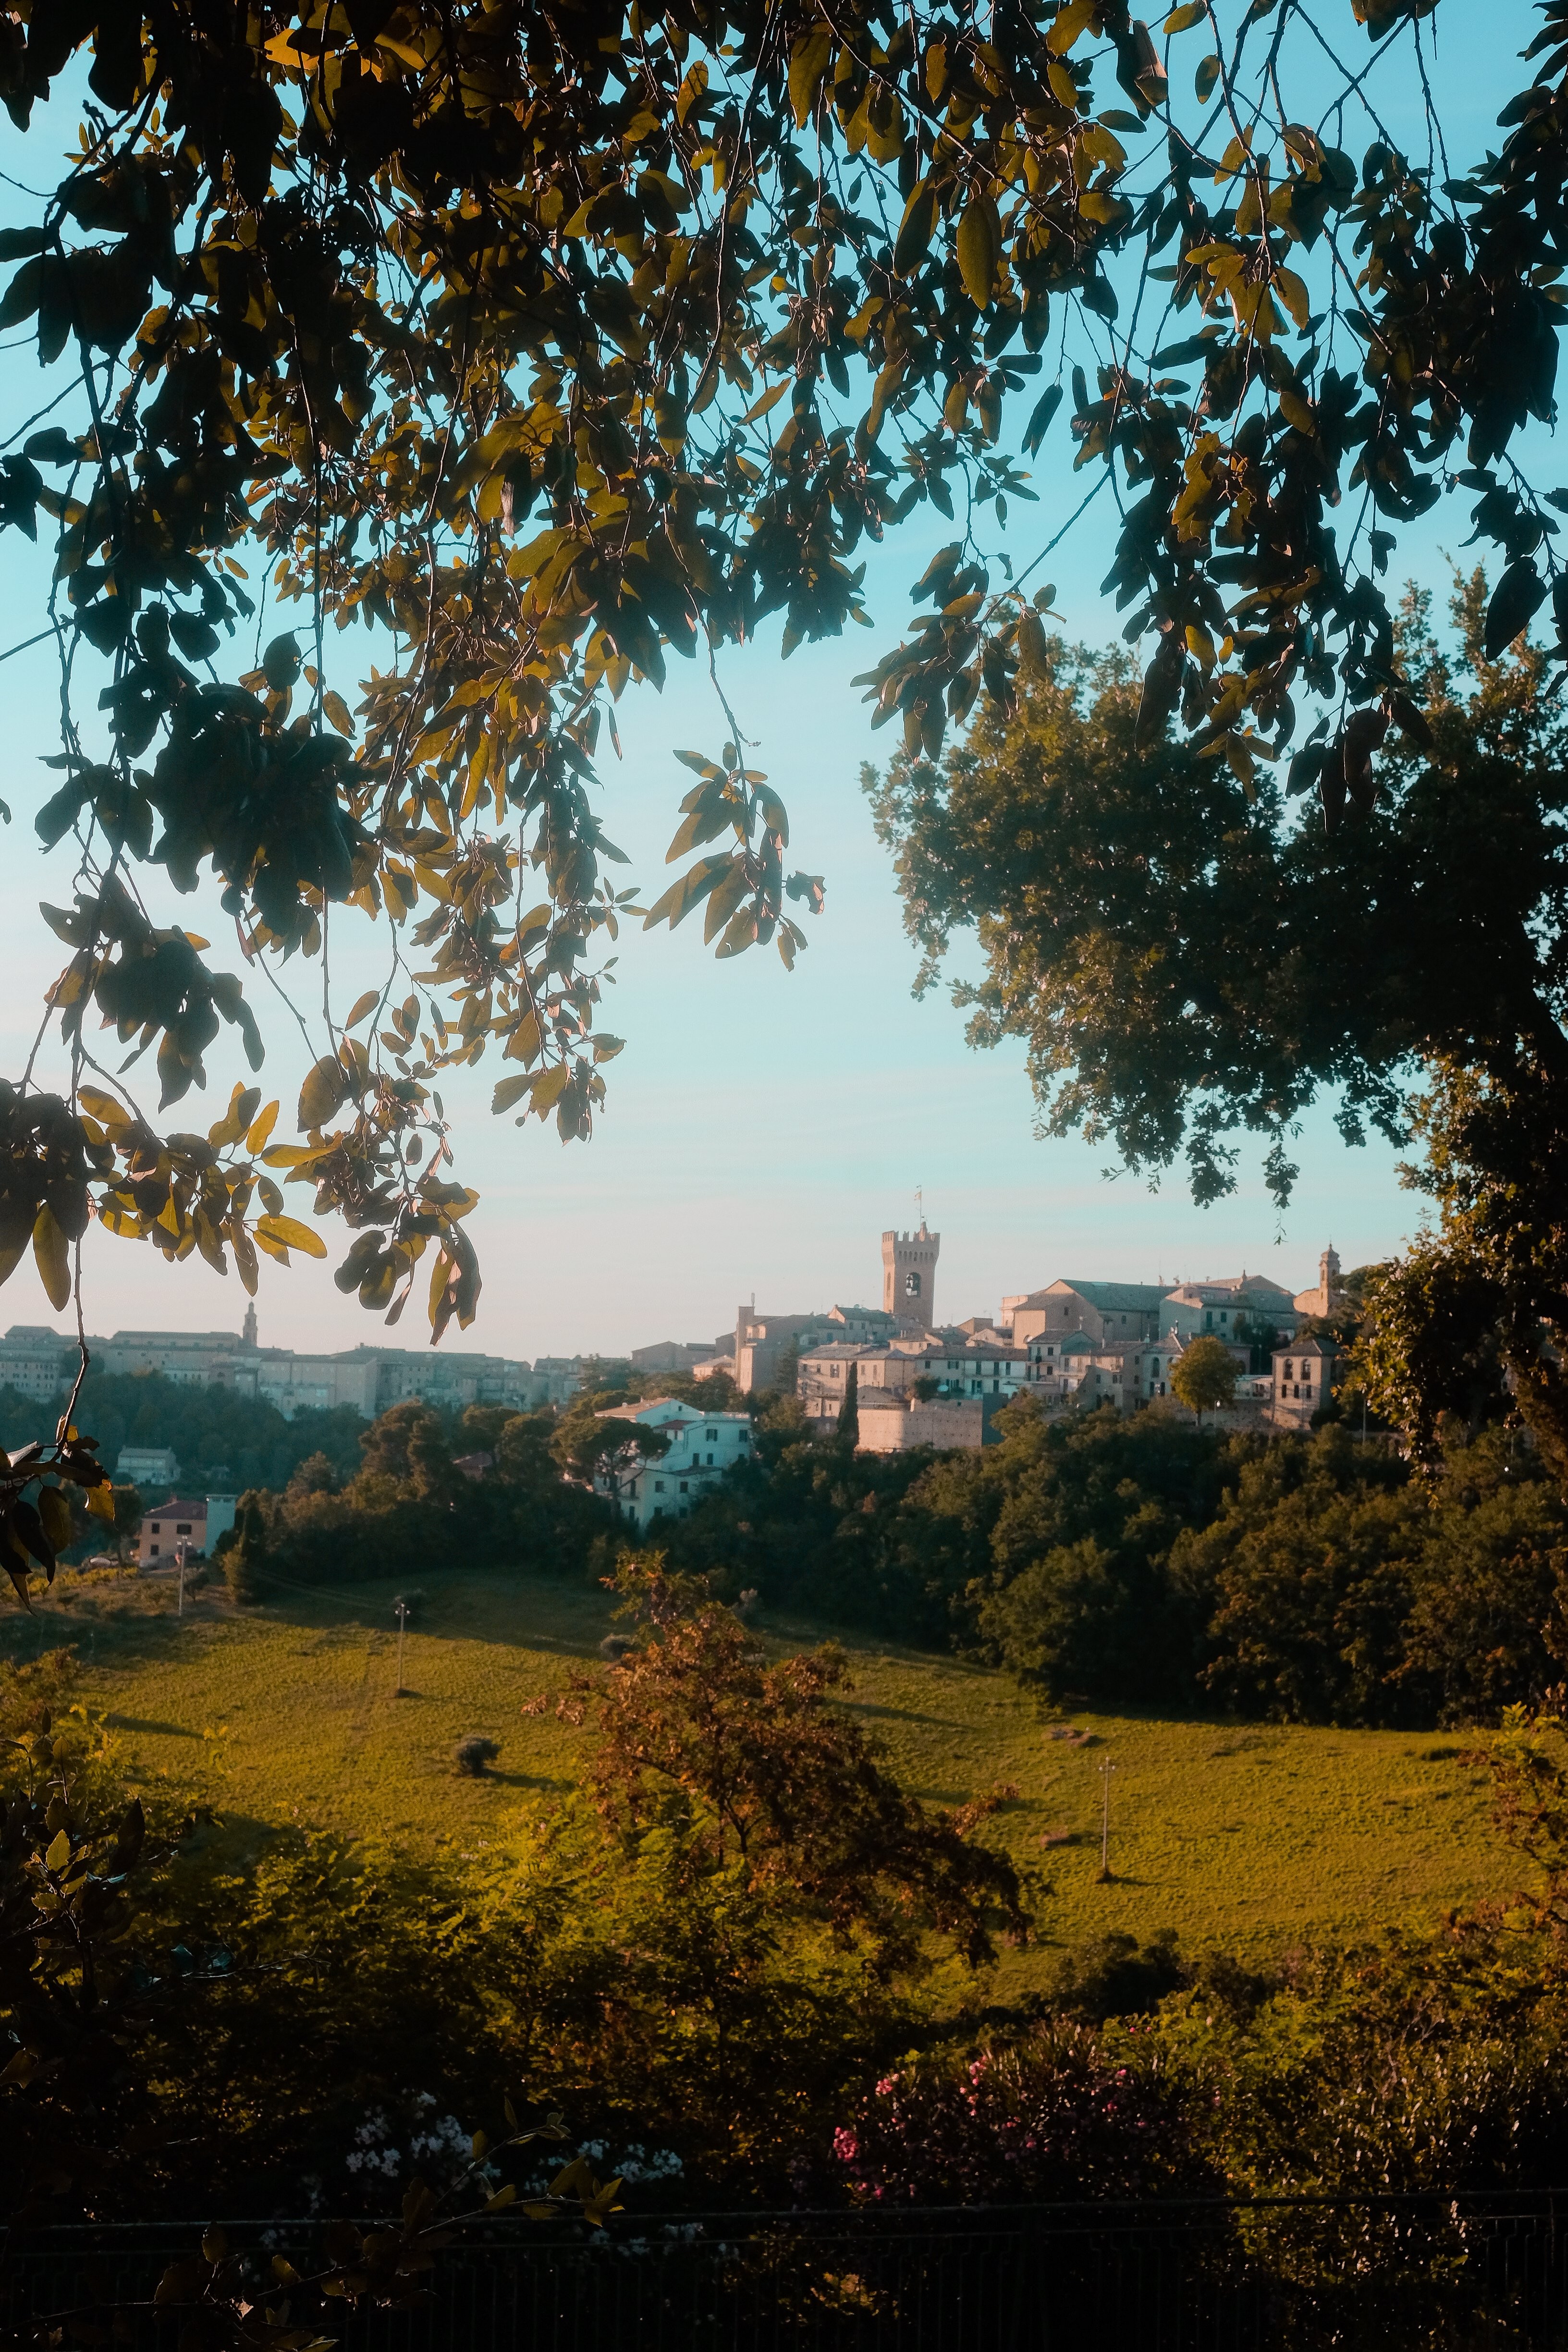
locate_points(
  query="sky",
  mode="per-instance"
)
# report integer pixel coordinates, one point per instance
(763, 1127)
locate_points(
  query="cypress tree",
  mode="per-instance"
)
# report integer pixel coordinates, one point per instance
(848, 1435)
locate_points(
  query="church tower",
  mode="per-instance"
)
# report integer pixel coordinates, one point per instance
(908, 1277)
(247, 1329)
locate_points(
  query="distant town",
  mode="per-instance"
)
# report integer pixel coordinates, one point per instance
(917, 1380)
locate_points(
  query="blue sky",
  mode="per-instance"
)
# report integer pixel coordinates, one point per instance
(763, 1127)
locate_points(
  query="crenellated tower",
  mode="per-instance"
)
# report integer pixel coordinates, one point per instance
(909, 1276)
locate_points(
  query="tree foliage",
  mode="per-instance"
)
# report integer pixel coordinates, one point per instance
(546, 346)
(788, 1788)
(1204, 1375)
(1186, 956)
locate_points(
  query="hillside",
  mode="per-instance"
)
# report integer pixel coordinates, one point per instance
(1233, 1835)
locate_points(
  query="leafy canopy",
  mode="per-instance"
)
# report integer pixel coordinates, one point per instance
(545, 345)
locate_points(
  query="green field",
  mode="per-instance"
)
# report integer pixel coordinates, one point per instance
(1234, 1836)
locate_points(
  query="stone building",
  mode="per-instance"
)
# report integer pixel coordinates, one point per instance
(1225, 1304)
(1102, 1310)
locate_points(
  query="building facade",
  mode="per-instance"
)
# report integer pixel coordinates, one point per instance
(146, 1466)
(1305, 1378)
(196, 1521)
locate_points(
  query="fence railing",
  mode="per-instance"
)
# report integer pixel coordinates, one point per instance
(1432, 2272)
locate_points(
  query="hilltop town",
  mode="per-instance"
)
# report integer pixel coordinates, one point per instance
(910, 1379)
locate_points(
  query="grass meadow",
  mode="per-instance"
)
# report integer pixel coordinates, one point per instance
(1235, 1835)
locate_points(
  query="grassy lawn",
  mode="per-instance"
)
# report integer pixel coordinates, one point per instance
(1234, 1836)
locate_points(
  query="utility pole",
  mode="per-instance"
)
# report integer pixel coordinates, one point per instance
(1106, 1769)
(180, 1550)
(402, 1609)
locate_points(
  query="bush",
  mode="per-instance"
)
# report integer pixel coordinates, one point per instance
(471, 1755)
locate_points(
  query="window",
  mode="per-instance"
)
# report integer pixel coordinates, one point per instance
(182, 1528)
(712, 1436)
(711, 1462)
(154, 1551)
(157, 1527)
(658, 1485)
(684, 1486)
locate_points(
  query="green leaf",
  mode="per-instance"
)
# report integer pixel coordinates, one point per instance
(60, 1853)
(323, 1090)
(1046, 407)
(280, 664)
(1205, 78)
(979, 250)
(52, 1257)
(915, 229)
(291, 1234)
(1192, 13)
(809, 61)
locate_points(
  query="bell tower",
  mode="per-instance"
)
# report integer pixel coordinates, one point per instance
(908, 1277)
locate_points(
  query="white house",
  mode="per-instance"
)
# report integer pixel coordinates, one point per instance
(702, 1447)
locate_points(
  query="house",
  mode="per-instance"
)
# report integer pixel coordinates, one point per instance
(1305, 1378)
(195, 1521)
(702, 1447)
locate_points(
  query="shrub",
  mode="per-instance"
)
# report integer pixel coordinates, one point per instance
(1052, 2116)
(617, 1646)
(473, 1753)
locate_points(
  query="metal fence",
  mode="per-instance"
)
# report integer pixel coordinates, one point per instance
(1421, 2273)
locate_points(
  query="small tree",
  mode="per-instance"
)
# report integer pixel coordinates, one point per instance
(593, 1442)
(471, 1755)
(1204, 1375)
(128, 1512)
(244, 1560)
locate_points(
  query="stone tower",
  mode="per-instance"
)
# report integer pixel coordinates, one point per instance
(1328, 1279)
(1329, 1296)
(909, 1276)
(247, 1329)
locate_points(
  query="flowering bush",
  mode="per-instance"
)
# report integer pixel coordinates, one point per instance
(1051, 2116)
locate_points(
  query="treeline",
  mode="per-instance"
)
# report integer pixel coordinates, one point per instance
(1125, 1561)
(1141, 1561)
(219, 1439)
(407, 1508)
